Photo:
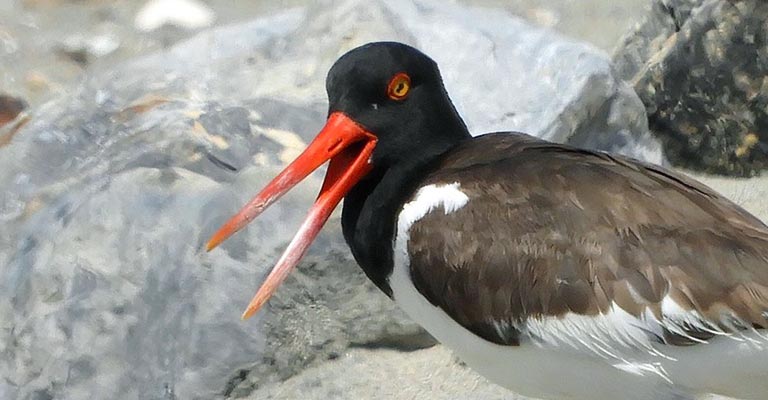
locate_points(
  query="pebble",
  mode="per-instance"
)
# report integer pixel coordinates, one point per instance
(10, 108)
(187, 14)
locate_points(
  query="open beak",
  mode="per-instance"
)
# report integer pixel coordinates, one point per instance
(349, 147)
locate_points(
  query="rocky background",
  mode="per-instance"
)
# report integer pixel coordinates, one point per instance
(700, 68)
(130, 130)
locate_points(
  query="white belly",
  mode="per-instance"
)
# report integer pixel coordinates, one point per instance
(553, 371)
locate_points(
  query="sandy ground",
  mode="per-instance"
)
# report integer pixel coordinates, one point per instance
(750, 193)
(432, 374)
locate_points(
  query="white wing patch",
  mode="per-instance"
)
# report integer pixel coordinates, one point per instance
(608, 335)
(617, 334)
(628, 342)
(676, 319)
(427, 198)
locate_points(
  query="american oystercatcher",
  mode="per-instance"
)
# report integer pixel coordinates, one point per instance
(557, 272)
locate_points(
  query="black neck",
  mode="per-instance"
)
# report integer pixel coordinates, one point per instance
(372, 206)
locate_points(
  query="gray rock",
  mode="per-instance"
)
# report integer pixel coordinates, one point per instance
(111, 191)
(699, 67)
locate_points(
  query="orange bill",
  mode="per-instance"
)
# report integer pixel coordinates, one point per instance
(349, 147)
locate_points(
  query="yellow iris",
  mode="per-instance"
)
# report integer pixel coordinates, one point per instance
(399, 86)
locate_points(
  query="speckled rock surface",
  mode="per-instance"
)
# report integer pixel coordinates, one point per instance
(111, 189)
(700, 68)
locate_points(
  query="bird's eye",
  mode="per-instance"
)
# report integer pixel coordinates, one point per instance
(399, 86)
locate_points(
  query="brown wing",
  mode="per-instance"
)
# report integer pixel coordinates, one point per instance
(550, 230)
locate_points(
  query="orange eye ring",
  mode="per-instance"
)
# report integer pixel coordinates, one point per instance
(399, 86)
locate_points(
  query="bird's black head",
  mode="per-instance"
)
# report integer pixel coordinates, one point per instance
(396, 93)
(387, 108)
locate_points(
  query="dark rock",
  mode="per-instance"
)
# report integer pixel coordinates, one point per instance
(700, 68)
(12, 118)
(10, 108)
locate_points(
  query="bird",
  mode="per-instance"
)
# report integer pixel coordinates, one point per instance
(553, 271)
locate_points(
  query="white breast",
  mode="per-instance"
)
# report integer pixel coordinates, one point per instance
(578, 357)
